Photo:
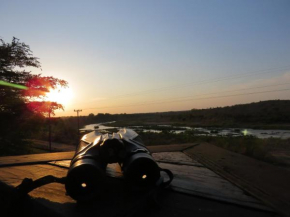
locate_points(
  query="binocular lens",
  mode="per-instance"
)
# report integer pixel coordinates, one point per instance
(85, 180)
(141, 170)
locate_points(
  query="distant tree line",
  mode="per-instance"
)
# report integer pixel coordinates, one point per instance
(259, 113)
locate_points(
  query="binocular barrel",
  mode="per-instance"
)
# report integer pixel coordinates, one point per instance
(87, 172)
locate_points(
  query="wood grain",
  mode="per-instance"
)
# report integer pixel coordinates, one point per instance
(267, 182)
(43, 158)
(191, 178)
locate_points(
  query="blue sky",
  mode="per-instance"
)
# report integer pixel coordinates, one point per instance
(120, 53)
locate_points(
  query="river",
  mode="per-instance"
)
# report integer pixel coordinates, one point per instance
(259, 133)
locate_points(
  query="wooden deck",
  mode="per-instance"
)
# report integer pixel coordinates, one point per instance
(195, 190)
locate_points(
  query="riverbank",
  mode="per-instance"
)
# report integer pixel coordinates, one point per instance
(264, 145)
(261, 126)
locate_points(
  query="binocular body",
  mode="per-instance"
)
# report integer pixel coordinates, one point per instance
(86, 176)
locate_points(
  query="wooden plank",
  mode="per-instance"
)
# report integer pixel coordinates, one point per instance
(53, 196)
(170, 148)
(267, 182)
(200, 181)
(162, 157)
(55, 193)
(50, 200)
(175, 158)
(34, 158)
(193, 179)
(188, 179)
(43, 158)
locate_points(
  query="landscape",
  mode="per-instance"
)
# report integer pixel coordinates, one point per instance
(145, 108)
(227, 127)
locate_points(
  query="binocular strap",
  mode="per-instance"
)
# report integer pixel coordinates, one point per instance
(170, 175)
(28, 185)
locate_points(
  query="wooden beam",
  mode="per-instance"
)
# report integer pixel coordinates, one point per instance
(34, 158)
(189, 179)
(44, 158)
(266, 182)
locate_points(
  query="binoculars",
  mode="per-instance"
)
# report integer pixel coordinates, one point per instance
(86, 176)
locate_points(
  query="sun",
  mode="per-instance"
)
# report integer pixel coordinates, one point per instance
(60, 95)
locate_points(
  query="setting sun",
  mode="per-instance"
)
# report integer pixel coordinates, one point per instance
(60, 95)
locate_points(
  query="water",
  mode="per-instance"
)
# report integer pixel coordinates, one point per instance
(259, 133)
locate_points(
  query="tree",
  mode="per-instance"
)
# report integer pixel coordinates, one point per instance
(22, 94)
(91, 117)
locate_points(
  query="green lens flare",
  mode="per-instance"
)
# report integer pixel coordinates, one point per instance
(245, 132)
(18, 86)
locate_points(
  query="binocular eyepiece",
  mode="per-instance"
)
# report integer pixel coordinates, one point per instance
(87, 172)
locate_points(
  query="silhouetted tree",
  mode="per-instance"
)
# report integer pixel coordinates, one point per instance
(22, 94)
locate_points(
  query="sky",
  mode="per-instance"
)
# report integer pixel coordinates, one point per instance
(154, 56)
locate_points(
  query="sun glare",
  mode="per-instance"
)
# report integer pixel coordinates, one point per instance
(60, 95)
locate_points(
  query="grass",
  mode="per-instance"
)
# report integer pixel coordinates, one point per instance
(20, 147)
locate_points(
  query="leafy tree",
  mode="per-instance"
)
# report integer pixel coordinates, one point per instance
(91, 115)
(15, 57)
(22, 94)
